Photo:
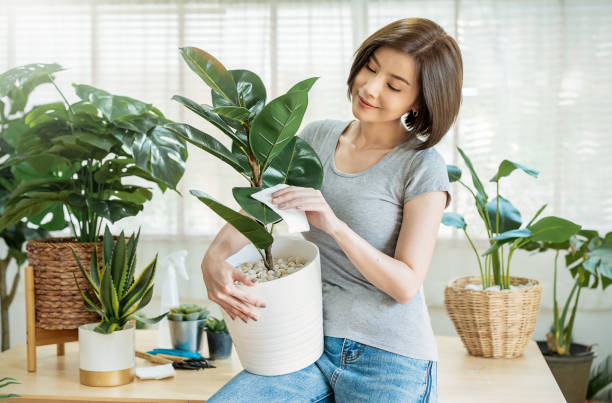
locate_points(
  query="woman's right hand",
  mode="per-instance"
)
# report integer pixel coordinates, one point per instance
(219, 277)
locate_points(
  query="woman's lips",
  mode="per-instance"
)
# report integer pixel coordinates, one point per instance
(364, 103)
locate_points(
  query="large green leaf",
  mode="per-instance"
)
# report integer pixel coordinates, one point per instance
(113, 210)
(513, 234)
(160, 153)
(111, 106)
(108, 295)
(304, 85)
(205, 142)
(214, 74)
(17, 83)
(248, 227)
(553, 229)
(296, 165)
(233, 112)
(453, 220)
(475, 179)
(255, 208)
(251, 90)
(276, 124)
(506, 167)
(509, 216)
(205, 111)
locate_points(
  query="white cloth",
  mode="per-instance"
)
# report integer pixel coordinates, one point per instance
(155, 371)
(296, 219)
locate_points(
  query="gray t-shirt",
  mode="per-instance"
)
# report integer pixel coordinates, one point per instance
(371, 203)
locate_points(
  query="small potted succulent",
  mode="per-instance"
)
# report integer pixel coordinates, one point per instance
(495, 313)
(588, 257)
(106, 349)
(219, 340)
(185, 326)
(266, 152)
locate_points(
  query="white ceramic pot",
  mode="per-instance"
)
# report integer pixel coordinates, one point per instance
(289, 333)
(106, 359)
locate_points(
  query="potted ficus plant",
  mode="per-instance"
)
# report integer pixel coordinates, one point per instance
(218, 338)
(495, 313)
(73, 162)
(265, 151)
(16, 85)
(106, 348)
(185, 326)
(588, 257)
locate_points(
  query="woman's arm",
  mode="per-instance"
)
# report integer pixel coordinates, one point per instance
(401, 276)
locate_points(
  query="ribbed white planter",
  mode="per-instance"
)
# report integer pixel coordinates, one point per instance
(106, 359)
(289, 333)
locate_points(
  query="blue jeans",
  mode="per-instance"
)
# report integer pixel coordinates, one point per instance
(346, 372)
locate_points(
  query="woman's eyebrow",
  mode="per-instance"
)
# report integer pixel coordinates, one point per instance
(392, 75)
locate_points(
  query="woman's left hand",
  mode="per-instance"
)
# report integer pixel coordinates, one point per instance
(312, 202)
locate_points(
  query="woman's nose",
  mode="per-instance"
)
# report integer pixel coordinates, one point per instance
(372, 87)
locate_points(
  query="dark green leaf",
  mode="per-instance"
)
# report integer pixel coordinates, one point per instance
(506, 167)
(255, 208)
(553, 229)
(509, 216)
(454, 173)
(248, 227)
(297, 165)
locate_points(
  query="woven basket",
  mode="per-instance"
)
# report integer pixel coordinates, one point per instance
(495, 324)
(57, 300)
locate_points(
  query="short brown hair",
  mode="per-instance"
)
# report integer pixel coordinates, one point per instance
(439, 68)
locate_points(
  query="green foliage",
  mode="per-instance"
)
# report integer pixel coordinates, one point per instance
(188, 312)
(588, 257)
(118, 293)
(215, 325)
(77, 156)
(502, 222)
(265, 150)
(5, 382)
(600, 382)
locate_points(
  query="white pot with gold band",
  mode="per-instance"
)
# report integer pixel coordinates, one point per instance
(106, 359)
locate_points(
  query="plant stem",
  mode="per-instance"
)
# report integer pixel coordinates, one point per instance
(555, 304)
(482, 279)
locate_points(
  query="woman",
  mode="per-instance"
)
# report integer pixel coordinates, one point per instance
(375, 221)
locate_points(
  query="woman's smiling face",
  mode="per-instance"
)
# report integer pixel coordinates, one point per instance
(387, 82)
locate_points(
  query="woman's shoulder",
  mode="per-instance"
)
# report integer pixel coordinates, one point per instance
(313, 131)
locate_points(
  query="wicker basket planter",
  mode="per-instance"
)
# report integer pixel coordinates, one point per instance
(495, 324)
(58, 303)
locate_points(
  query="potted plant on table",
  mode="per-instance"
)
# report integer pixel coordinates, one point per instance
(106, 348)
(588, 257)
(185, 326)
(495, 313)
(73, 161)
(219, 340)
(16, 85)
(266, 152)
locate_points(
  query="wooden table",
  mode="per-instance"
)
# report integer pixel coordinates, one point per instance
(461, 377)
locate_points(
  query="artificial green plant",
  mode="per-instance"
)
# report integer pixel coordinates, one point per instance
(77, 156)
(588, 257)
(264, 150)
(502, 222)
(118, 293)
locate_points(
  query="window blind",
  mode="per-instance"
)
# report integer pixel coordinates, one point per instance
(536, 83)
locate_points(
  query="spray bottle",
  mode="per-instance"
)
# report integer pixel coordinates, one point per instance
(170, 296)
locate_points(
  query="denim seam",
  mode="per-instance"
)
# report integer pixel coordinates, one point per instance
(334, 377)
(324, 397)
(342, 353)
(428, 386)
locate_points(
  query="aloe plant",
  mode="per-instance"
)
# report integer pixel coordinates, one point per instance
(502, 222)
(188, 312)
(118, 296)
(215, 325)
(589, 259)
(76, 157)
(265, 150)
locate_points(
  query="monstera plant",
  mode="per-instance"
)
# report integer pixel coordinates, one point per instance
(264, 150)
(77, 156)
